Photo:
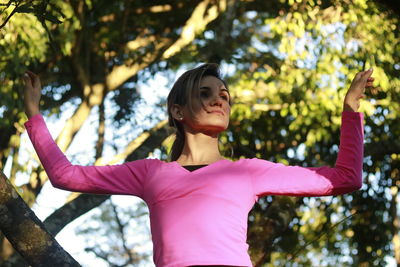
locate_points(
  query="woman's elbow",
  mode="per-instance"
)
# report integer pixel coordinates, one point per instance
(355, 179)
(351, 188)
(346, 183)
(354, 183)
(60, 179)
(352, 178)
(58, 183)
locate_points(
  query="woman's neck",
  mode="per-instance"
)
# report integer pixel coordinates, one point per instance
(199, 149)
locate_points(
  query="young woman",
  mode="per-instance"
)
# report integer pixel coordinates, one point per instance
(199, 201)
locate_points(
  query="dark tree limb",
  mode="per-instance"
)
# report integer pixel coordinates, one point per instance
(26, 232)
(72, 210)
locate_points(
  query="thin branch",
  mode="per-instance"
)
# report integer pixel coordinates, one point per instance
(201, 16)
(100, 131)
(160, 129)
(8, 4)
(98, 254)
(9, 16)
(121, 230)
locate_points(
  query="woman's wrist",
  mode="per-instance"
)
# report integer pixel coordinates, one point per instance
(347, 107)
(351, 104)
(32, 112)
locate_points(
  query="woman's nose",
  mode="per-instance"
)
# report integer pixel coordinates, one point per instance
(216, 100)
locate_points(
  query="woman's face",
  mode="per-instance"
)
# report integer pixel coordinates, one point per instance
(211, 110)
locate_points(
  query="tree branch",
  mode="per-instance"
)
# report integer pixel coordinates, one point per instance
(121, 230)
(200, 18)
(161, 130)
(9, 16)
(72, 210)
(100, 131)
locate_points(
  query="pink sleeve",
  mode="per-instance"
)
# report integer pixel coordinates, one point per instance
(127, 178)
(277, 179)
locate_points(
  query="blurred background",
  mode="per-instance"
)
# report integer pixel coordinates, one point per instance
(106, 69)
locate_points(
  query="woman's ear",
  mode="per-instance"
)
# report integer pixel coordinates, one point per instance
(177, 112)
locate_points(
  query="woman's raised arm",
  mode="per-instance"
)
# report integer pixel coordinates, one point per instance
(270, 178)
(346, 176)
(128, 178)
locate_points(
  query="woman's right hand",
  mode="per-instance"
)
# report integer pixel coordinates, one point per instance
(31, 93)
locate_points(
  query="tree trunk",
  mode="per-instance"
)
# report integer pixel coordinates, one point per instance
(26, 232)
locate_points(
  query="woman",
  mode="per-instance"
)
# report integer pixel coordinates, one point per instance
(199, 202)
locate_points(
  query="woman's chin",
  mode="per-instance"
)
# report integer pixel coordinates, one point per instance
(213, 129)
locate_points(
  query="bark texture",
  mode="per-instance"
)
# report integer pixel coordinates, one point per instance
(26, 232)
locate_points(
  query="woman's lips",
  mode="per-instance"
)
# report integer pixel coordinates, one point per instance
(217, 112)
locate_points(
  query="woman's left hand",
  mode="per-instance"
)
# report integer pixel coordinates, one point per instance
(361, 81)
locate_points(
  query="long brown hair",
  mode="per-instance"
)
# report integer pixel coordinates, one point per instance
(184, 90)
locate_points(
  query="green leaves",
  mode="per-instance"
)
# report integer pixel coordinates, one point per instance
(43, 10)
(26, 8)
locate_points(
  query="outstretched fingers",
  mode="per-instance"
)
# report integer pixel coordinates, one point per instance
(370, 82)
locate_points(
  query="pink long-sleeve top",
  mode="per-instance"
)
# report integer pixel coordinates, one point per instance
(200, 217)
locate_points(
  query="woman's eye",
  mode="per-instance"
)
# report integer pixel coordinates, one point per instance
(204, 94)
(225, 97)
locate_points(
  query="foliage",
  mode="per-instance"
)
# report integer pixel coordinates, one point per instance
(292, 110)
